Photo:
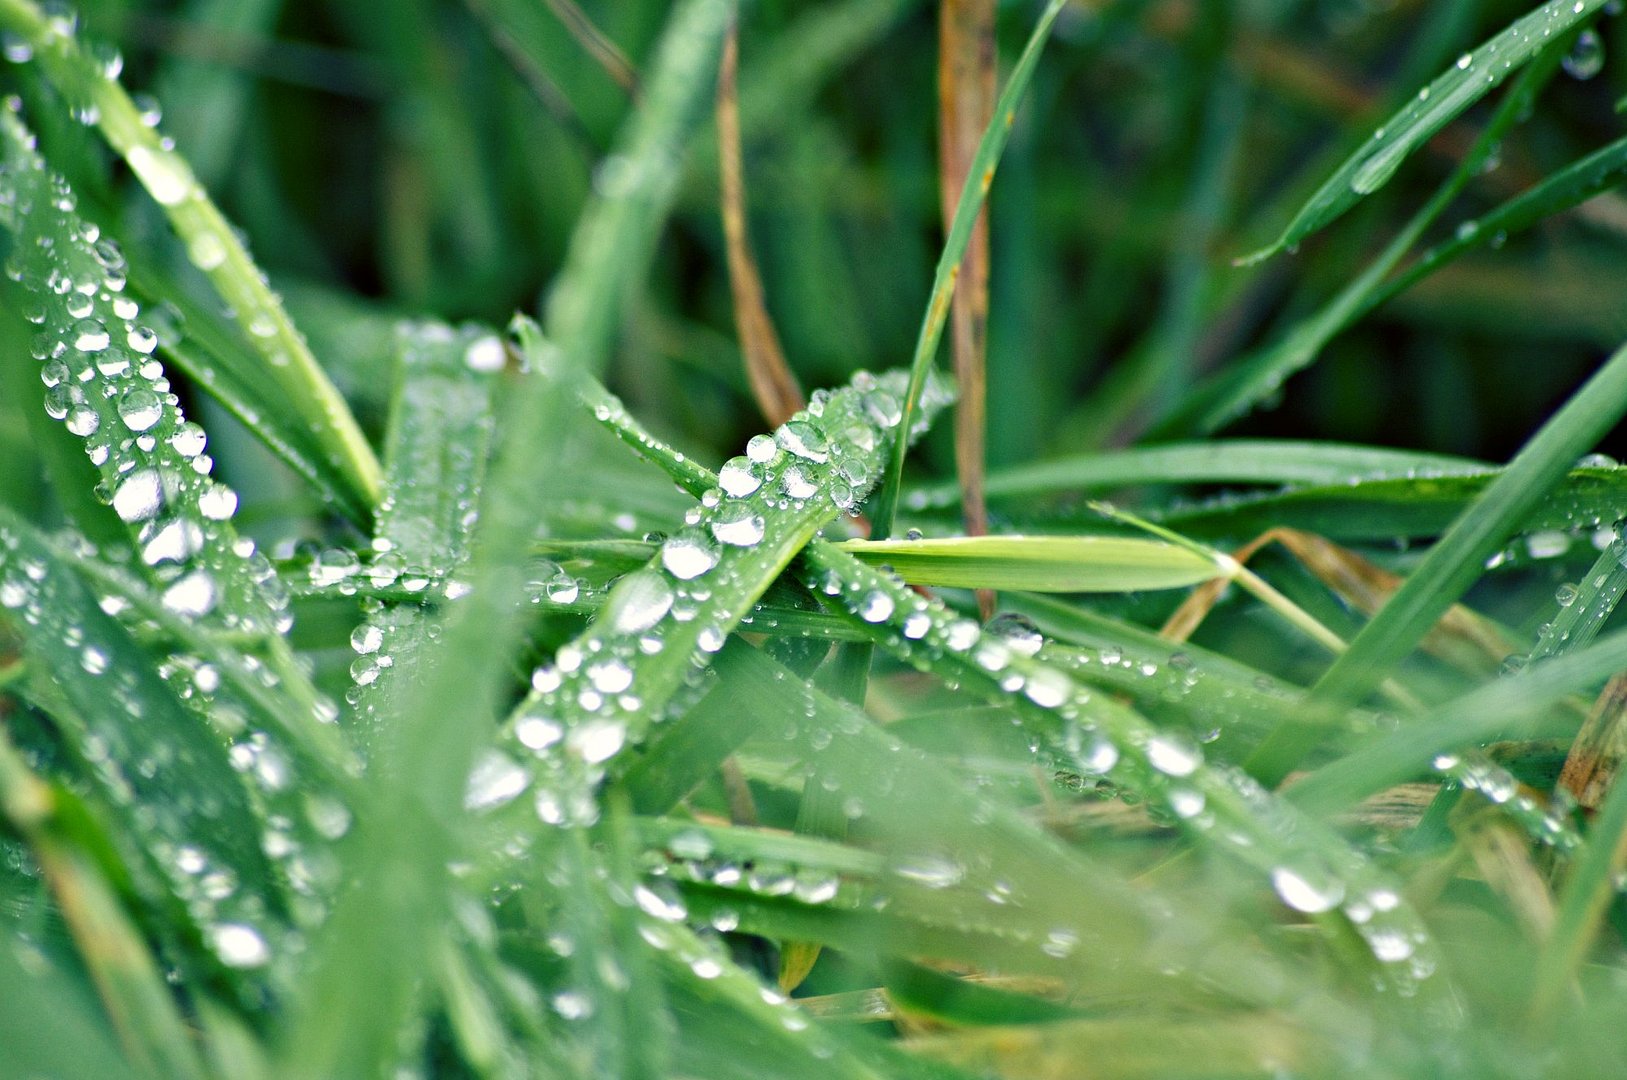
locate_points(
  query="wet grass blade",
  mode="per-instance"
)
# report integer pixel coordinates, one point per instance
(1474, 75)
(967, 211)
(410, 834)
(212, 244)
(1459, 558)
(133, 991)
(1224, 461)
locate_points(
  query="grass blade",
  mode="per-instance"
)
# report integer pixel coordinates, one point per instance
(211, 242)
(1474, 75)
(967, 210)
(1454, 563)
(772, 384)
(1039, 563)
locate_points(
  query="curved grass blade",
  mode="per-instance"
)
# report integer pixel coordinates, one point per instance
(408, 836)
(1474, 75)
(1223, 461)
(211, 242)
(1491, 712)
(1039, 563)
(1459, 557)
(1249, 380)
(967, 211)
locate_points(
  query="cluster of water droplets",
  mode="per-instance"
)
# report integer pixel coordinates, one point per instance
(659, 624)
(1310, 868)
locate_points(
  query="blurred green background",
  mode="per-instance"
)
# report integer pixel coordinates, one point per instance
(433, 156)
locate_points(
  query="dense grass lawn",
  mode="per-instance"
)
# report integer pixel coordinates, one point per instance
(857, 539)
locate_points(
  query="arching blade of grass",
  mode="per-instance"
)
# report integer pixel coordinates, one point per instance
(967, 210)
(1247, 381)
(132, 988)
(1039, 563)
(1401, 509)
(1233, 461)
(1474, 75)
(408, 837)
(212, 244)
(1454, 563)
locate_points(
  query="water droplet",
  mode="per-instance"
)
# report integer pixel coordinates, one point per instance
(139, 495)
(367, 638)
(217, 502)
(688, 554)
(140, 408)
(739, 477)
(597, 739)
(762, 449)
(239, 946)
(875, 607)
(485, 354)
(1171, 756)
(495, 780)
(1017, 631)
(638, 602)
(738, 524)
(1309, 890)
(1586, 57)
(83, 420)
(794, 482)
(192, 595)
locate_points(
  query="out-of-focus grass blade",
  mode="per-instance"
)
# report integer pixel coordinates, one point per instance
(1491, 712)
(966, 82)
(379, 925)
(1039, 563)
(1224, 461)
(772, 384)
(146, 753)
(44, 1025)
(1594, 882)
(1474, 75)
(132, 988)
(1400, 509)
(1459, 557)
(967, 211)
(1128, 1049)
(211, 242)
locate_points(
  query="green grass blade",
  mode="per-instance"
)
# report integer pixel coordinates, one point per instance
(1039, 563)
(211, 242)
(972, 197)
(1229, 461)
(1474, 75)
(379, 926)
(1459, 558)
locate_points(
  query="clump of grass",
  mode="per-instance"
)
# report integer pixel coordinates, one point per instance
(432, 715)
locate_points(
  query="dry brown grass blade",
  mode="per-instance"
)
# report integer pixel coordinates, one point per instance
(1596, 754)
(966, 91)
(597, 45)
(772, 384)
(1463, 638)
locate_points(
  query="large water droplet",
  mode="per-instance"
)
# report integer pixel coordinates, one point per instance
(638, 602)
(139, 495)
(738, 524)
(688, 554)
(1586, 58)
(140, 408)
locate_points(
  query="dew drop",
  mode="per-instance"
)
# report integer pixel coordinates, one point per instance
(638, 602)
(738, 524)
(140, 408)
(688, 554)
(139, 495)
